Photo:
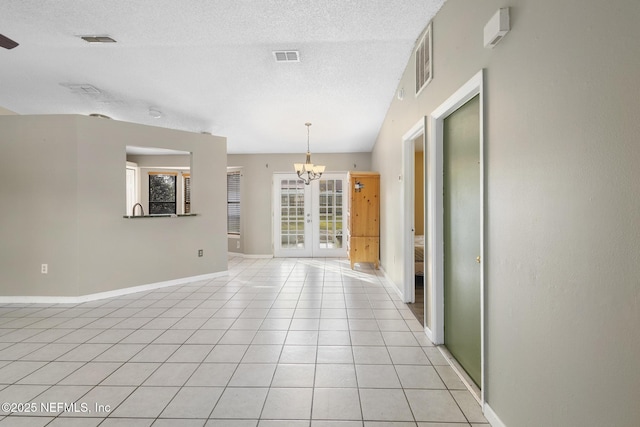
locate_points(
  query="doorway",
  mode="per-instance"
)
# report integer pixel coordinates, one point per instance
(418, 307)
(414, 254)
(453, 270)
(308, 219)
(414, 220)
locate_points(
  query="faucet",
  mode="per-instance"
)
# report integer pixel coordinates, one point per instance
(133, 211)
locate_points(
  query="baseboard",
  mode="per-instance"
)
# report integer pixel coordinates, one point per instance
(107, 294)
(492, 417)
(462, 374)
(429, 333)
(388, 279)
(251, 255)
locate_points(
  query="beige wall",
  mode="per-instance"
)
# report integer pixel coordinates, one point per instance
(39, 215)
(64, 178)
(256, 191)
(562, 212)
(5, 112)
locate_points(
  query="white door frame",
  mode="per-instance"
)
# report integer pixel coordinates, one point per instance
(435, 238)
(408, 203)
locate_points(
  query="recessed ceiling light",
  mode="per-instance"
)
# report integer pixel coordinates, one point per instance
(286, 55)
(156, 114)
(98, 39)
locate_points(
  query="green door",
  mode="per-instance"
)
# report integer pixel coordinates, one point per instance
(461, 168)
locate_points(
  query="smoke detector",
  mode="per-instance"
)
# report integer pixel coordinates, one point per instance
(497, 27)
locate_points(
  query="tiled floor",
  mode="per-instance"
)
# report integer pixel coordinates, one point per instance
(275, 343)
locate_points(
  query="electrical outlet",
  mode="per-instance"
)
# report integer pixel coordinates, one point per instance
(238, 244)
(44, 268)
(200, 252)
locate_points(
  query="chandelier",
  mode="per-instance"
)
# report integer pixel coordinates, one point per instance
(307, 171)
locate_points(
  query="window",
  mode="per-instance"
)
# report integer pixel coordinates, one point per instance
(162, 193)
(233, 202)
(186, 193)
(424, 63)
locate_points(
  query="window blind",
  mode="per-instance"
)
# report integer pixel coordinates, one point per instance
(233, 202)
(187, 193)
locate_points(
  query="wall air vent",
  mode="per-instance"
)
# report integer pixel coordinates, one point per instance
(424, 62)
(286, 55)
(98, 39)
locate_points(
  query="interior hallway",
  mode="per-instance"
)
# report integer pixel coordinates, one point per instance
(275, 342)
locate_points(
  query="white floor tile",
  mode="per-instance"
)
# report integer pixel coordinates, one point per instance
(146, 402)
(434, 405)
(193, 402)
(336, 404)
(273, 343)
(288, 404)
(385, 405)
(253, 375)
(335, 375)
(294, 375)
(239, 402)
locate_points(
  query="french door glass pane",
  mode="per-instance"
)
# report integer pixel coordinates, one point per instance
(330, 210)
(292, 209)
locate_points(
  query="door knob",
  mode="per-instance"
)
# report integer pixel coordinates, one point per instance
(478, 260)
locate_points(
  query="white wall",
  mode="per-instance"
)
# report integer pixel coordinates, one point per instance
(64, 179)
(562, 205)
(256, 190)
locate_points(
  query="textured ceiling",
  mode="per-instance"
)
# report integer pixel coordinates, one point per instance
(207, 65)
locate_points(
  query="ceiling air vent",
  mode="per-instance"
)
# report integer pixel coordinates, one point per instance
(97, 39)
(82, 89)
(7, 43)
(286, 55)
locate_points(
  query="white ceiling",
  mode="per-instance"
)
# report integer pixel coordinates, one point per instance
(208, 66)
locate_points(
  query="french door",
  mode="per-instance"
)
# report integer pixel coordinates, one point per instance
(308, 219)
